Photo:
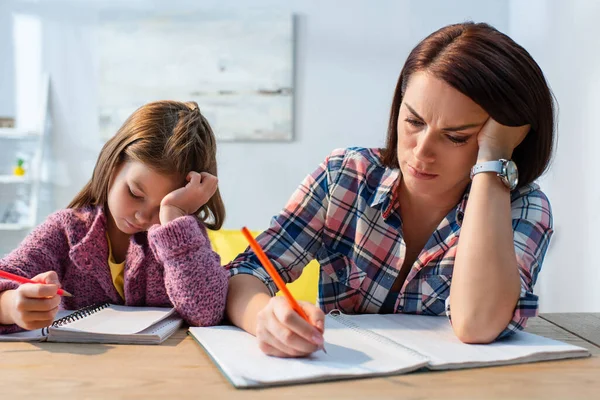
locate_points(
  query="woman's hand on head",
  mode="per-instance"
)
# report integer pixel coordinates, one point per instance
(33, 305)
(188, 199)
(498, 141)
(282, 332)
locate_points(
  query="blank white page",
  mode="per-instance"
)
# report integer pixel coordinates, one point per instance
(349, 353)
(434, 338)
(118, 320)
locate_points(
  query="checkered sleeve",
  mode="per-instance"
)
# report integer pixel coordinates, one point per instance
(294, 236)
(532, 230)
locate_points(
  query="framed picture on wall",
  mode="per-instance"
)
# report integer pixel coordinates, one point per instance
(239, 69)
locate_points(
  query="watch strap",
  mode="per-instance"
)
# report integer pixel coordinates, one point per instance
(487, 166)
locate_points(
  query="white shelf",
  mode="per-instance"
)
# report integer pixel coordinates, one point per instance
(14, 179)
(14, 133)
(37, 134)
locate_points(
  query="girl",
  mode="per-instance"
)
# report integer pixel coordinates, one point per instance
(136, 233)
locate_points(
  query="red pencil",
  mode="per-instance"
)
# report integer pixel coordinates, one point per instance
(264, 260)
(20, 279)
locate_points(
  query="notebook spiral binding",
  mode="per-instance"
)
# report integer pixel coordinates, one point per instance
(339, 316)
(78, 314)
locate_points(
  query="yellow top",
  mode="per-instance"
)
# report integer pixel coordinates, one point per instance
(116, 271)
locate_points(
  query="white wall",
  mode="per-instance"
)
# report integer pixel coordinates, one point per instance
(7, 77)
(27, 34)
(21, 79)
(348, 57)
(563, 37)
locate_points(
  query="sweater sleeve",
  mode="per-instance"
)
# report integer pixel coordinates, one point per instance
(195, 281)
(42, 250)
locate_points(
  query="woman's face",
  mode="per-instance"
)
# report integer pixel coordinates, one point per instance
(437, 137)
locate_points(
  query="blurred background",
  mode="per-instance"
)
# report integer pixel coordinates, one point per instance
(282, 83)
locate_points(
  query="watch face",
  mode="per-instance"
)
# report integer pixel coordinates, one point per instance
(512, 174)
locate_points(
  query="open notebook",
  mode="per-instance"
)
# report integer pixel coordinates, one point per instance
(371, 345)
(106, 323)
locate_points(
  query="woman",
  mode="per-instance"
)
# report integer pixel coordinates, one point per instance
(437, 221)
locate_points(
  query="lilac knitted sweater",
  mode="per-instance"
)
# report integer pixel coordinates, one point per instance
(171, 265)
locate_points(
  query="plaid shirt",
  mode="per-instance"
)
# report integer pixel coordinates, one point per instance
(344, 215)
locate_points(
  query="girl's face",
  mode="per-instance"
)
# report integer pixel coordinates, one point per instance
(437, 137)
(134, 196)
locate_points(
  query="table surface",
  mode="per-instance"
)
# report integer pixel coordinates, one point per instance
(179, 368)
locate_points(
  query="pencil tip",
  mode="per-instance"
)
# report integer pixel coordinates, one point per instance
(324, 351)
(67, 294)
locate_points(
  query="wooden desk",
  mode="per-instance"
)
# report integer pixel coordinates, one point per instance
(180, 369)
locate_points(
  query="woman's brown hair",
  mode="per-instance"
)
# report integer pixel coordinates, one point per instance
(170, 137)
(496, 73)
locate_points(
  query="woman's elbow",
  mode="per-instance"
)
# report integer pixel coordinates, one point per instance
(475, 333)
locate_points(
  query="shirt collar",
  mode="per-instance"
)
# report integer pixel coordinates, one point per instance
(386, 188)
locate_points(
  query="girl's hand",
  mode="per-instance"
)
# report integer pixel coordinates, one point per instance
(34, 306)
(282, 332)
(188, 199)
(498, 141)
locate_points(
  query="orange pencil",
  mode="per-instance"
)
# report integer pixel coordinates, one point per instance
(264, 260)
(20, 279)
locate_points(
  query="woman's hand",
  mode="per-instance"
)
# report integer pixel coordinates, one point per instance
(188, 199)
(498, 141)
(282, 332)
(33, 305)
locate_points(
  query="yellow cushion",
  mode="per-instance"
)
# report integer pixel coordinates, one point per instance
(228, 243)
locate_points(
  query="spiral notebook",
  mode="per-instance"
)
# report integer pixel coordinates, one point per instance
(371, 345)
(106, 323)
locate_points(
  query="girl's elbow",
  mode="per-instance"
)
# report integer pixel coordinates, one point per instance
(206, 317)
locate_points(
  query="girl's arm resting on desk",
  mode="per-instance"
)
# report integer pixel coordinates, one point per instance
(195, 281)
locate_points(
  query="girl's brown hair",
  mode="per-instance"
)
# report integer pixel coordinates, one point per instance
(170, 137)
(496, 73)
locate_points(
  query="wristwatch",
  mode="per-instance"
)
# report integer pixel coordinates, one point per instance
(505, 169)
